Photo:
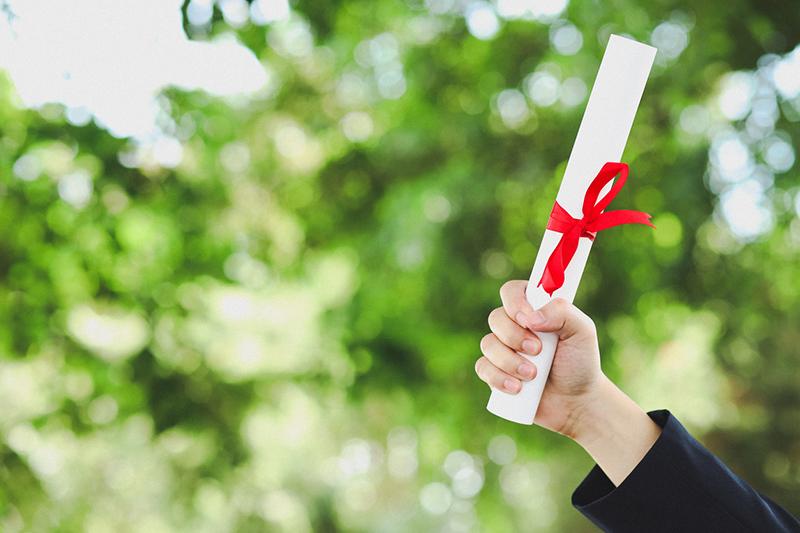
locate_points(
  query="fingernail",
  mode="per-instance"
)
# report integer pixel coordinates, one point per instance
(526, 370)
(530, 347)
(537, 319)
(512, 385)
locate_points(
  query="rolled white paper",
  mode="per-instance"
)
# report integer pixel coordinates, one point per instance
(601, 138)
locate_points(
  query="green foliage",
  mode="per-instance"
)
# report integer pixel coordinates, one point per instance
(279, 333)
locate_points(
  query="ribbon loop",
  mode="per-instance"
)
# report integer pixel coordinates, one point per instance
(594, 219)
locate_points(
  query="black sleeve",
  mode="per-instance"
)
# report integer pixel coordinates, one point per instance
(679, 486)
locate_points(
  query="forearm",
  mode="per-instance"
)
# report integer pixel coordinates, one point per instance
(614, 430)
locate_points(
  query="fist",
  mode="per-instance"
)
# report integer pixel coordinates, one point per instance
(510, 351)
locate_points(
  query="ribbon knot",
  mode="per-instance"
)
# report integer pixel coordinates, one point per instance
(594, 219)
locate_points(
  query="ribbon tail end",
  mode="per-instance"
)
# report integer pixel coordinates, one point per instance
(541, 284)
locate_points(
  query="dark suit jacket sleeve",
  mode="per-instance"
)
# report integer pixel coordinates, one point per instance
(679, 486)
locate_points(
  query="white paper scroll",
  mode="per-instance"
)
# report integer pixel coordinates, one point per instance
(601, 138)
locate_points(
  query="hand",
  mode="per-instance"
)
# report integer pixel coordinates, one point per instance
(579, 401)
(576, 366)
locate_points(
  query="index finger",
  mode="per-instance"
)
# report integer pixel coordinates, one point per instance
(515, 303)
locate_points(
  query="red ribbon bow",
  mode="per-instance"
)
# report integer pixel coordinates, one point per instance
(594, 220)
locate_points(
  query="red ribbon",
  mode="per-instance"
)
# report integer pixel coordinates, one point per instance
(594, 220)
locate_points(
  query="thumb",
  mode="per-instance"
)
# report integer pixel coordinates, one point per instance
(560, 316)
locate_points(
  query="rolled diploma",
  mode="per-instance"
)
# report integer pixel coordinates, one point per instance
(601, 138)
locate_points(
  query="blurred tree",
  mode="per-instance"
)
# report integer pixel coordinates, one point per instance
(277, 331)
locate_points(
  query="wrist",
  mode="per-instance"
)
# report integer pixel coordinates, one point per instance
(585, 420)
(613, 429)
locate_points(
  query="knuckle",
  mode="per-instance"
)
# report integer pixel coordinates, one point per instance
(494, 316)
(483, 368)
(486, 341)
(584, 320)
(510, 287)
(507, 286)
(479, 367)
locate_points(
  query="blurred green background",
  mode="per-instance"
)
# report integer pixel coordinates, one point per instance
(266, 318)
